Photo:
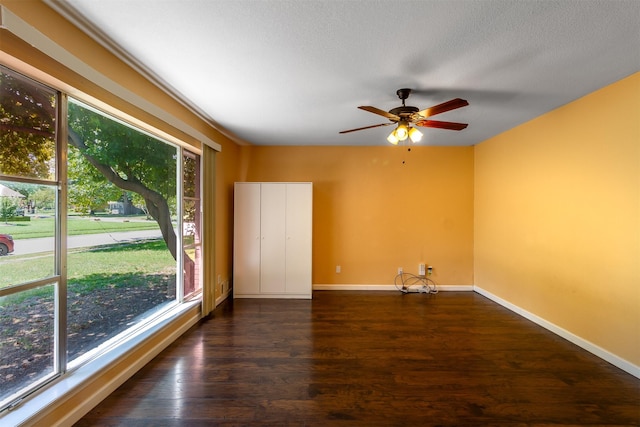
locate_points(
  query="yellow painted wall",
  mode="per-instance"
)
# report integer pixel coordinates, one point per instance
(556, 211)
(373, 214)
(557, 217)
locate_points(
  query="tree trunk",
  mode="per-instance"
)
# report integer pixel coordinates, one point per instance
(157, 205)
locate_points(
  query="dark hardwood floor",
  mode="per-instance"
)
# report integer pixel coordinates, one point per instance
(372, 359)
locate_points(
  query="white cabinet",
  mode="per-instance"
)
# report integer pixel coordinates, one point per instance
(272, 240)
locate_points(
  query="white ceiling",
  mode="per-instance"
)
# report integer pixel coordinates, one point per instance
(293, 72)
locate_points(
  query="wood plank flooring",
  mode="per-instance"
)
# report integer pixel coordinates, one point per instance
(372, 359)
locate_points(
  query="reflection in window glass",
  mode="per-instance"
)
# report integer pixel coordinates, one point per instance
(191, 223)
(120, 179)
(26, 339)
(27, 127)
(191, 173)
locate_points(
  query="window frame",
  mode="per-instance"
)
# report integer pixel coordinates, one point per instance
(56, 279)
(62, 365)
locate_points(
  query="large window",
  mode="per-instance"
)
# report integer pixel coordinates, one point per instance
(90, 248)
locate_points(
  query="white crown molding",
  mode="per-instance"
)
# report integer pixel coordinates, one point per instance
(21, 29)
(72, 15)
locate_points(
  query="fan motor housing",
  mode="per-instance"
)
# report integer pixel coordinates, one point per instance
(404, 111)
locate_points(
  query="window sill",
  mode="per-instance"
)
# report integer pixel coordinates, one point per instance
(67, 399)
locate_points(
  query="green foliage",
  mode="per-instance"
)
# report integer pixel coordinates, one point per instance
(27, 127)
(107, 160)
(19, 219)
(89, 190)
(92, 269)
(7, 208)
(44, 198)
(131, 154)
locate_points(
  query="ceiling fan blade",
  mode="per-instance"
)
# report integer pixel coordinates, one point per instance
(366, 127)
(380, 112)
(441, 125)
(443, 108)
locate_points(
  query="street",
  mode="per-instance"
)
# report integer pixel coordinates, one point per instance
(45, 244)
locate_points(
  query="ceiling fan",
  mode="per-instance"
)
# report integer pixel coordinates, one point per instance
(405, 116)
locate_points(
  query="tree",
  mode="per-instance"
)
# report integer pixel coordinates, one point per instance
(7, 209)
(89, 190)
(27, 127)
(126, 158)
(129, 159)
(43, 198)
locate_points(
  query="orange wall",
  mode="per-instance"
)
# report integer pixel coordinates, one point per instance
(226, 165)
(557, 217)
(373, 214)
(555, 221)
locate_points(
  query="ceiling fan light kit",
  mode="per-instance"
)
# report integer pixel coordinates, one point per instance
(402, 132)
(415, 135)
(405, 116)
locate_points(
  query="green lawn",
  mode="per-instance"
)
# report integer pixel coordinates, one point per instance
(44, 227)
(92, 268)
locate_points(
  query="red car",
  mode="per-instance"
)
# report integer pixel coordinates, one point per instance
(6, 244)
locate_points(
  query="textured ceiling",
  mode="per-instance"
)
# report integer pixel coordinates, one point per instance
(293, 72)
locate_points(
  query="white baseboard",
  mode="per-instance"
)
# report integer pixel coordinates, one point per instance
(580, 342)
(346, 287)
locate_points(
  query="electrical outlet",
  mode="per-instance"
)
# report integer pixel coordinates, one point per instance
(338, 269)
(429, 270)
(399, 270)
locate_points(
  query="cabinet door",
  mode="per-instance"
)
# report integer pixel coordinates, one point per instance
(246, 239)
(272, 250)
(299, 232)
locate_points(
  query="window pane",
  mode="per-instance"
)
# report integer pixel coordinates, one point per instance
(191, 221)
(27, 228)
(123, 193)
(26, 339)
(192, 260)
(191, 172)
(27, 127)
(113, 287)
